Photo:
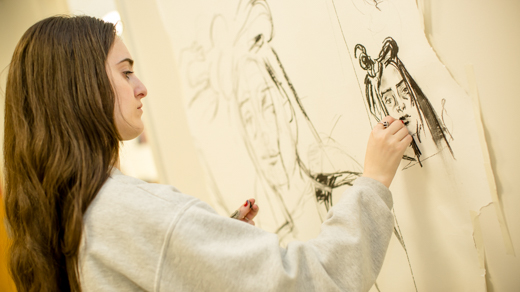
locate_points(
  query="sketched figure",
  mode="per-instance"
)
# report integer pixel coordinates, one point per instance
(243, 70)
(390, 90)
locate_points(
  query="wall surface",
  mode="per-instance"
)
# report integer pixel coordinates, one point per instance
(155, 65)
(486, 34)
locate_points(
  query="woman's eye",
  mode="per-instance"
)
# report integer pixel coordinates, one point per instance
(127, 73)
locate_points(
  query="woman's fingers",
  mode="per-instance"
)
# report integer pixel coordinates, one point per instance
(406, 141)
(246, 212)
(395, 126)
(385, 123)
(385, 148)
(252, 211)
(401, 133)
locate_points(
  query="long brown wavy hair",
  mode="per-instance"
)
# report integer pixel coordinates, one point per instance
(60, 144)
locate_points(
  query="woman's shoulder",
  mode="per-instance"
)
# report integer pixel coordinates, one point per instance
(123, 199)
(131, 188)
(125, 228)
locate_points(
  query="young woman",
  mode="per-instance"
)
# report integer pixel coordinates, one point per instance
(79, 224)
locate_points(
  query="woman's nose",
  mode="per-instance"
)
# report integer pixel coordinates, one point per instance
(140, 90)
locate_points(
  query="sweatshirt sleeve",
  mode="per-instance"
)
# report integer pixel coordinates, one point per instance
(204, 251)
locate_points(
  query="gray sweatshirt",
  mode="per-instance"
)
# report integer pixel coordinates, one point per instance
(140, 236)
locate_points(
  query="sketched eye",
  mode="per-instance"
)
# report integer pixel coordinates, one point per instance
(248, 124)
(248, 118)
(388, 98)
(267, 103)
(269, 108)
(403, 90)
(405, 93)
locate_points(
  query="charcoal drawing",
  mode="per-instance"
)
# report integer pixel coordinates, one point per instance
(295, 164)
(391, 90)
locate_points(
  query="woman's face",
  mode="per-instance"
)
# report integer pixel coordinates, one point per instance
(129, 91)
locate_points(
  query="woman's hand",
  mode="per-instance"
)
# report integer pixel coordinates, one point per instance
(246, 212)
(385, 150)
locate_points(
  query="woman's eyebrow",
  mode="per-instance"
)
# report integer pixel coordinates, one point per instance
(130, 61)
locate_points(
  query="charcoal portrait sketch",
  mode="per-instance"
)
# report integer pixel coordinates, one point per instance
(281, 98)
(240, 74)
(391, 90)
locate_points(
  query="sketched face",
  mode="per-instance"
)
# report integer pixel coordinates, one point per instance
(397, 98)
(266, 129)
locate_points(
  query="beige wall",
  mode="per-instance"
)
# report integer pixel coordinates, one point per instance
(487, 35)
(147, 41)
